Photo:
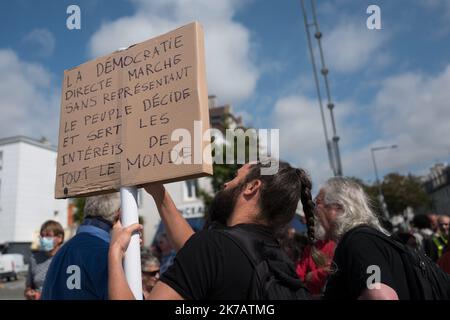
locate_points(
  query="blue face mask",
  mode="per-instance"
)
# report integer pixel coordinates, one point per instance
(47, 244)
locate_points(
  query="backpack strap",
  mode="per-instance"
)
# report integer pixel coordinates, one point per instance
(369, 230)
(252, 247)
(264, 253)
(258, 248)
(415, 284)
(249, 246)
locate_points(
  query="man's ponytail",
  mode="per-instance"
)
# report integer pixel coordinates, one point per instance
(307, 203)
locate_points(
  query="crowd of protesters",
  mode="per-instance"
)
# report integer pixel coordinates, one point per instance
(246, 249)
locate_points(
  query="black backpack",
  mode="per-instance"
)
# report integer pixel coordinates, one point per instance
(274, 276)
(426, 280)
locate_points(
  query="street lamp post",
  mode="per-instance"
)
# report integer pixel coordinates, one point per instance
(380, 193)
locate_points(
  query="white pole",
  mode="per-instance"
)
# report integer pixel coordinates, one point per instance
(132, 261)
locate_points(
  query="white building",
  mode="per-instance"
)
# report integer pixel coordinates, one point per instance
(27, 183)
(437, 185)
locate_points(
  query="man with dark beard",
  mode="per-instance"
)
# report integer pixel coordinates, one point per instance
(210, 265)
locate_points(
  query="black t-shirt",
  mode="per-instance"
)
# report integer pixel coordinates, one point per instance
(211, 266)
(352, 259)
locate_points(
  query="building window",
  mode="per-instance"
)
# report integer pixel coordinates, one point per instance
(190, 189)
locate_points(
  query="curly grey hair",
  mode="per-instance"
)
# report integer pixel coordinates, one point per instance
(355, 205)
(104, 206)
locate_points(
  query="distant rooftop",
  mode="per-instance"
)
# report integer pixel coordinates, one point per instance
(218, 113)
(437, 178)
(42, 143)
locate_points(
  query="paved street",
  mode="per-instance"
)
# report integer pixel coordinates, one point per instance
(12, 290)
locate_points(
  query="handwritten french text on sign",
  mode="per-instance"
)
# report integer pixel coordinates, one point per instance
(118, 113)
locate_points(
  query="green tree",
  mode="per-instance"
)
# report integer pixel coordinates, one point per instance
(399, 192)
(79, 210)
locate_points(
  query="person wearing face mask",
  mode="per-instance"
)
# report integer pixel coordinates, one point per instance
(51, 239)
(80, 269)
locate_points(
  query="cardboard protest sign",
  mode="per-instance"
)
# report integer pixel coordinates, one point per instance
(118, 113)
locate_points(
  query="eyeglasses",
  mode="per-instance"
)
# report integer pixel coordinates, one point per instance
(151, 273)
(317, 202)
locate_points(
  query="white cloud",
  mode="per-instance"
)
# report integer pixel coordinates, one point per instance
(231, 73)
(29, 104)
(350, 46)
(302, 139)
(40, 41)
(410, 110)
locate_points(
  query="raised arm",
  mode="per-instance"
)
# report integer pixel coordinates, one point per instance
(118, 288)
(384, 292)
(178, 229)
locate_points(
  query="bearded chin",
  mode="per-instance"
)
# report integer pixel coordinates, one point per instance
(319, 231)
(223, 205)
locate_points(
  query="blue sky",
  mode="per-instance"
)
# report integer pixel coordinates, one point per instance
(390, 86)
